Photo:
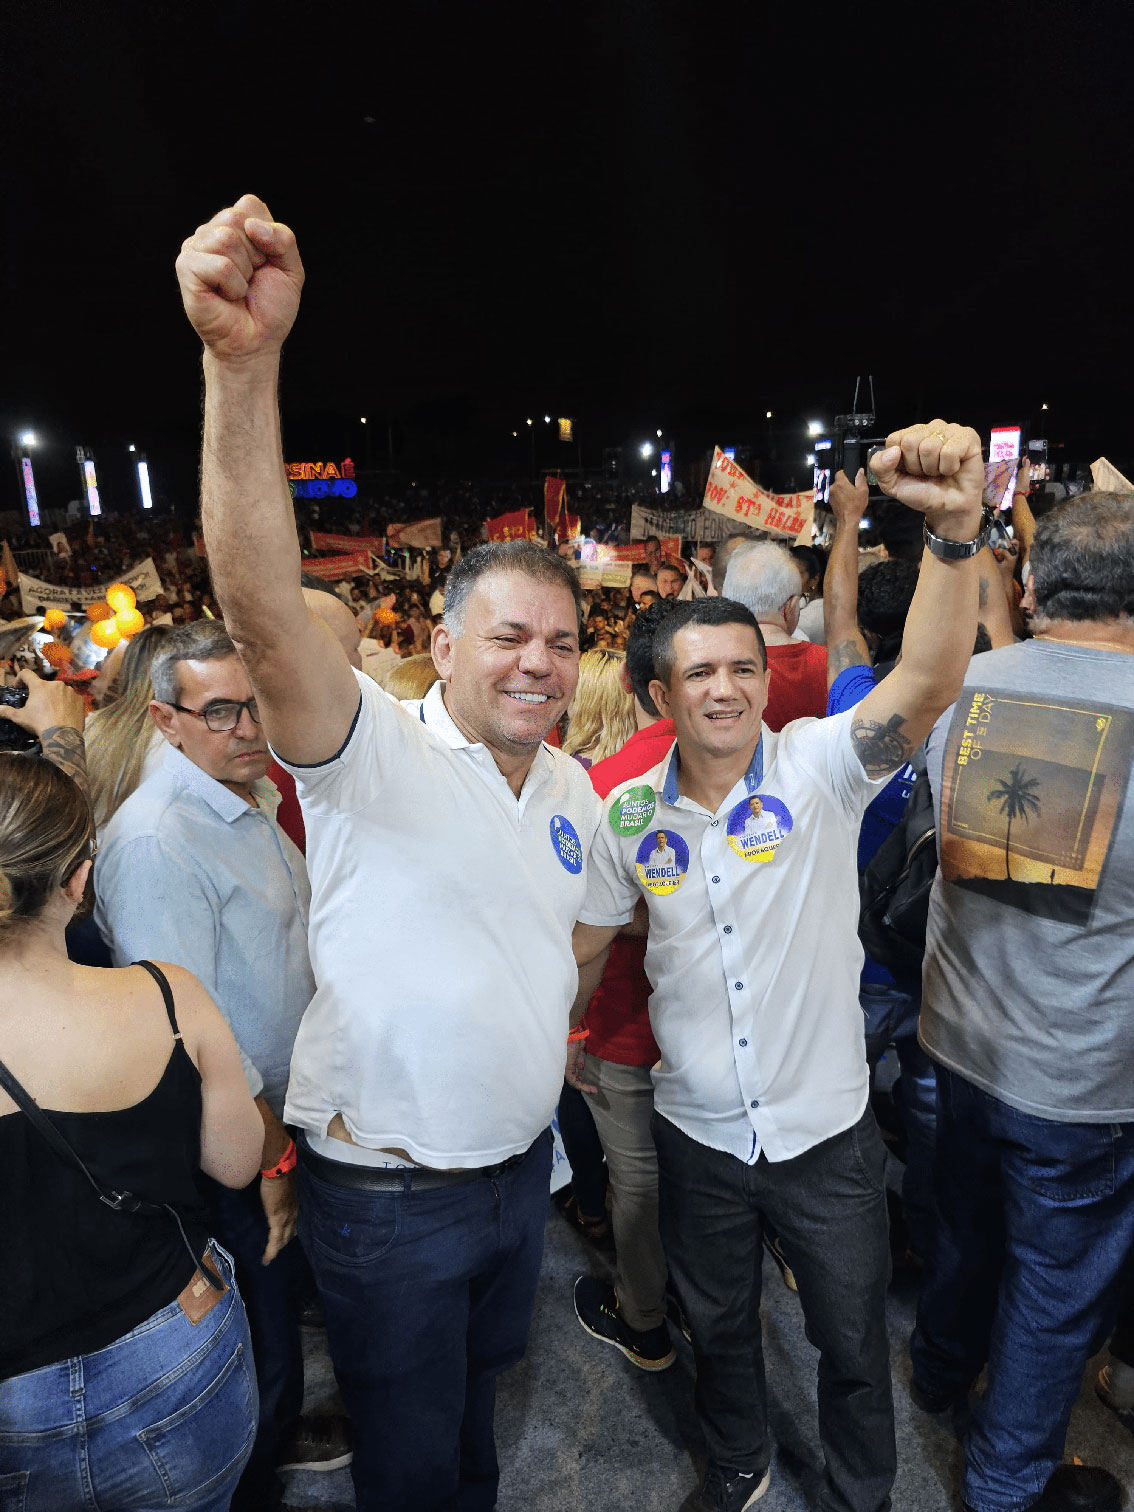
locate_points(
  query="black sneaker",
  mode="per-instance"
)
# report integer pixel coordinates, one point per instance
(1077, 1488)
(727, 1491)
(934, 1402)
(596, 1308)
(318, 1443)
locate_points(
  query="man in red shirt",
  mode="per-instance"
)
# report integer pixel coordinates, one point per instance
(765, 578)
(614, 1068)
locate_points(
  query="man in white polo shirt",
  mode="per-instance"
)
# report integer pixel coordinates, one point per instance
(446, 846)
(761, 1093)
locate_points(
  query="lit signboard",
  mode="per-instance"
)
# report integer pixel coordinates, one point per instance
(144, 485)
(91, 486)
(566, 428)
(666, 471)
(29, 490)
(730, 452)
(321, 480)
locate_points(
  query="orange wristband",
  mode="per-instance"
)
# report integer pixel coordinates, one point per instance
(577, 1034)
(283, 1165)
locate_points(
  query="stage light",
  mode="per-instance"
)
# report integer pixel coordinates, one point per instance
(815, 427)
(144, 485)
(767, 414)
(646, 449)
(811, 459)
(659, 435)
(27, 438)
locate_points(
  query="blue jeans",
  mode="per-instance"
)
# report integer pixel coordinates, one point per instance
(891, 1016)
(427, 1296)
(163, 1417)
(828, 1206)
(273, 1295)
(1035, 1220)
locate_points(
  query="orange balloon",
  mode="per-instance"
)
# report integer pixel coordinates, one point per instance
(129, 622)
(56, 655)
(96, 612)
(54, 619)
(120, 596)
(106, 634)
(385, 617)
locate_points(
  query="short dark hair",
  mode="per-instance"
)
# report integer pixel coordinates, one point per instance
(640, 651)
(885, 592)
(899, 530)
(702, 611)
(812, 560)
(317, 585)
(506, 556)
(1083, 558)
(655, 540)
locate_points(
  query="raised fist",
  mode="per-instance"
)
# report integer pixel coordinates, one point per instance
(240, 278)
(936, 469)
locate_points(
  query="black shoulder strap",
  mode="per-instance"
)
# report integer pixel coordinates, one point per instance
(166, 992)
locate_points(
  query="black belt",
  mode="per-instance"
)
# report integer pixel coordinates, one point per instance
(366, 1178)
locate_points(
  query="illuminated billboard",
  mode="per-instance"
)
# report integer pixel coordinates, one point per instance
(144, 485)
(29, 490)
(91, 486)
(666, 471)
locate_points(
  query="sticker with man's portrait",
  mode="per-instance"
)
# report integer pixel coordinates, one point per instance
(758, 826)
(662, 861)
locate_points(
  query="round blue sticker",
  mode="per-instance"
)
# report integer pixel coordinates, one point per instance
(758, 826)
(661, 861)
(568, 846)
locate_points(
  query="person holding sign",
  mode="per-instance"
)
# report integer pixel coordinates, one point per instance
(761, 1114)
(423, 1104)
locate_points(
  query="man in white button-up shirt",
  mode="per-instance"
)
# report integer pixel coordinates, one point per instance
(447, 851)
(753, 957)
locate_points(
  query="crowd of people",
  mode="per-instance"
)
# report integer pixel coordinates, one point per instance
(620, 843)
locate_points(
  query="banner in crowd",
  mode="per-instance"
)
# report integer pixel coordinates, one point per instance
(60, 545)
(670, 545)
(554, 497)
(420, 533)
(568, 526)
(1107, 478)
(8, 569)
(518, 525)
(322, 540)
(337, 567)
(603, 574)
(142, 578)
(732, 493)
(689, 524)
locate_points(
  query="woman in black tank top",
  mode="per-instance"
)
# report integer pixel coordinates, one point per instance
(126, 1375)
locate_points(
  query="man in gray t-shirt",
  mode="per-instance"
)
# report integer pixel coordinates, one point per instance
(1028, 1010)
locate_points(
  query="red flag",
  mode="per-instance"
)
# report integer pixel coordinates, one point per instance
(519, 525)
(554, 497)
(568, 527)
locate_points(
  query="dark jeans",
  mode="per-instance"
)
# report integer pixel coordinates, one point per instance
(890, 1018)
(584, 1152)
(427, 1297)
(273, 1299)
(828, 1206)
(1035, 1220)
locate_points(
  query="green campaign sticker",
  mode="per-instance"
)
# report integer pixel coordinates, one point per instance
(633, 811)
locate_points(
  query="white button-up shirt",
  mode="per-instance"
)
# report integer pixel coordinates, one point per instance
(441, 918)
(753, 953)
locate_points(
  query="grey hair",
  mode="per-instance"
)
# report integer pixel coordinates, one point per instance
(762, 577)
(505, 556)
(201, 640)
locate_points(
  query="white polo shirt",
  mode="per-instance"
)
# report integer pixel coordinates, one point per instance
(753, 951)
(440, 1017)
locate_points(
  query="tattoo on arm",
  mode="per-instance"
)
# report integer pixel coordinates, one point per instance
(63, 747)
(880, 748)
(844, 654)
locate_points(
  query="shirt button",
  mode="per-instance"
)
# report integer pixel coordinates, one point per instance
(739, 986)
(743, 1042)
(728, 929)
(753, 1104)
(715, 823)
(716, 879)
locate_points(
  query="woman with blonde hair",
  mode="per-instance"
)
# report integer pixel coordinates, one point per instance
(123, 743)
(125, 1355)
(412, 677)
(601, 718)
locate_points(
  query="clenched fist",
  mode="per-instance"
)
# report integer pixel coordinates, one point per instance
(938, 470)
(240, 278)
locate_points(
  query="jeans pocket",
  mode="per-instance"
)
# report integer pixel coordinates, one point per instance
(354, 1233)
(201, 1443)
(14, 1491)
(1076, 1165)
(870, 1152)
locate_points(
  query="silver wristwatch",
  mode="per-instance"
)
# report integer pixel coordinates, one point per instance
(959, 551)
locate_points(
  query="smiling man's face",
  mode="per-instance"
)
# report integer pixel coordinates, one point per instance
(513, 670)
(718, 690)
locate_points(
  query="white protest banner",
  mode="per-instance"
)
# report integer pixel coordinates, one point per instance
(689, 524)
(142, 578)
(419, 533)
(1107, 478)
(616, 574)
(589, 577)
(731, 492)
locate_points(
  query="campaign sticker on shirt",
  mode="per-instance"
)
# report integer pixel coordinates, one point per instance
(758, 826)
(568, 846)
(661, 861)
(630, 814)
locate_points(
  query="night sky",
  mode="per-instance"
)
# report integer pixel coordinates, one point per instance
(643, 215)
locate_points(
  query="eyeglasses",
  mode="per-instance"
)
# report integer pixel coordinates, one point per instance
(222, 715)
